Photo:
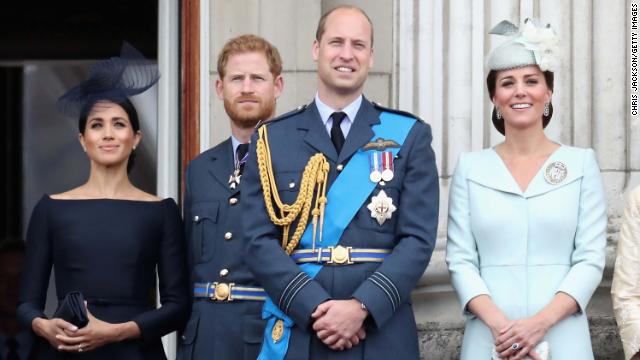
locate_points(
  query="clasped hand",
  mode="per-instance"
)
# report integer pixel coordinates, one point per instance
(339, 323)
(65, 336)
(526, 332)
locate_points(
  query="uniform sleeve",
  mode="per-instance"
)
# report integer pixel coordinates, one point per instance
(37, 267)
(174, 295)
(625, 289)
(588, 257)
(292, 290)
(462, 255)
(392, 282)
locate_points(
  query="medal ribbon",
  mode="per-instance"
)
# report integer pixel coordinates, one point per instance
(387, 160)
(346, 196)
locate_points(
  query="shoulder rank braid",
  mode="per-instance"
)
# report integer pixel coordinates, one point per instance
(314, 179)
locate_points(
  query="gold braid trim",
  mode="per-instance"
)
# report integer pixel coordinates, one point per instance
(314, 179)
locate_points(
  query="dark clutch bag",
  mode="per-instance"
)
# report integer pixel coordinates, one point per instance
(72, 309)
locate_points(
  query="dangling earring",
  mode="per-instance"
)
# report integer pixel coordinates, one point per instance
(546, 109)
(134, 147)
(498, 113)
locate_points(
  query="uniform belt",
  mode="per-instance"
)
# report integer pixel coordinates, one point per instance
(216, 291)
(339, 255)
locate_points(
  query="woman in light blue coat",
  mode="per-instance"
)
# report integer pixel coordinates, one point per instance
(527, 218)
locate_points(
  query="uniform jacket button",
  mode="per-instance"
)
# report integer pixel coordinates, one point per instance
(224, 272)
(196, 218)
(228, 235)
(233, 201)
(340, 167)
(292, 185)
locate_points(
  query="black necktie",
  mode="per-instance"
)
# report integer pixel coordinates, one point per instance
(241, 156)
(337, 137)
(12, 344)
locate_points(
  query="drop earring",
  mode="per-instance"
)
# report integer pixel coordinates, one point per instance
(498, 113)
(546, 109)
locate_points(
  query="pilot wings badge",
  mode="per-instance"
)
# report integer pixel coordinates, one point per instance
(380, 144)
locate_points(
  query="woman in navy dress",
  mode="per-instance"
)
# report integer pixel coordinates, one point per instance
(106, 238)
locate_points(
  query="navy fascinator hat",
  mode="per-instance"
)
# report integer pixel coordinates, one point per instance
(114, 79)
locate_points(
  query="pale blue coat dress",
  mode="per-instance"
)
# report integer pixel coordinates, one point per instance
(521, 248)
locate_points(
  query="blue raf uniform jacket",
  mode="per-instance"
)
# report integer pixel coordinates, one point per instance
(212, 211)
(383, 287)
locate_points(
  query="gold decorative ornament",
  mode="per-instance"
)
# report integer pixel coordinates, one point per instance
(313, 182)
(340, 255)
(222, 291)
(277, 331)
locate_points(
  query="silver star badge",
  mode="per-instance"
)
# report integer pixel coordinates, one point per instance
(381, 207)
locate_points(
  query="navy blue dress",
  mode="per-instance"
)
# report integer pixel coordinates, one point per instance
(108, 250)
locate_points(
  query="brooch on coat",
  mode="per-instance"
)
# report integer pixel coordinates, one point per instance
(555, 172)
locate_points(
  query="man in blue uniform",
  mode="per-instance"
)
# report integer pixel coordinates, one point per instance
(343, 203)
(225, 322)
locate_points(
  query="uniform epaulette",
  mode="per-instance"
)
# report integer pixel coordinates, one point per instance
(296, 111)
(378, 106)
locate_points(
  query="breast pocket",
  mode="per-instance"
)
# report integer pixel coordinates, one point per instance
(379, 212)
(288, 183)
(204, 218)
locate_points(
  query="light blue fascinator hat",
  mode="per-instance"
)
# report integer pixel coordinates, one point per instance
(532, 44)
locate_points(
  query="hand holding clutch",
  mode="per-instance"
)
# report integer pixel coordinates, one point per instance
(541, 349)
(72, 309)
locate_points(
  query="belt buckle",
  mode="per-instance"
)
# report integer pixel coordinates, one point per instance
(340, 255)
(222, 291)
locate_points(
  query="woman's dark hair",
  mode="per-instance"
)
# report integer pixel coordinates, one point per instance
(492, 78)
(133, 118)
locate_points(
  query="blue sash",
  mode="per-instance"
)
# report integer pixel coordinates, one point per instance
(353, 184)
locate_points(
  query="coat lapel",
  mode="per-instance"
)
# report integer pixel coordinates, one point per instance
(317, 136)
(360, 132)
(489, 170)
(221, 165)
(573, 162)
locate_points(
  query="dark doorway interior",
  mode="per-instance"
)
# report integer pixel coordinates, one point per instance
(11, 168)
(54, 30)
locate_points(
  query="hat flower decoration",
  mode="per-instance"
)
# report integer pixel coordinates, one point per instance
(533, 44)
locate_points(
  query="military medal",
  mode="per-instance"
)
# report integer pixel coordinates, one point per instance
(234, 179)
(387, 166)
(381, 161)
(555, 172)
(381, 207)
(375, 174)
